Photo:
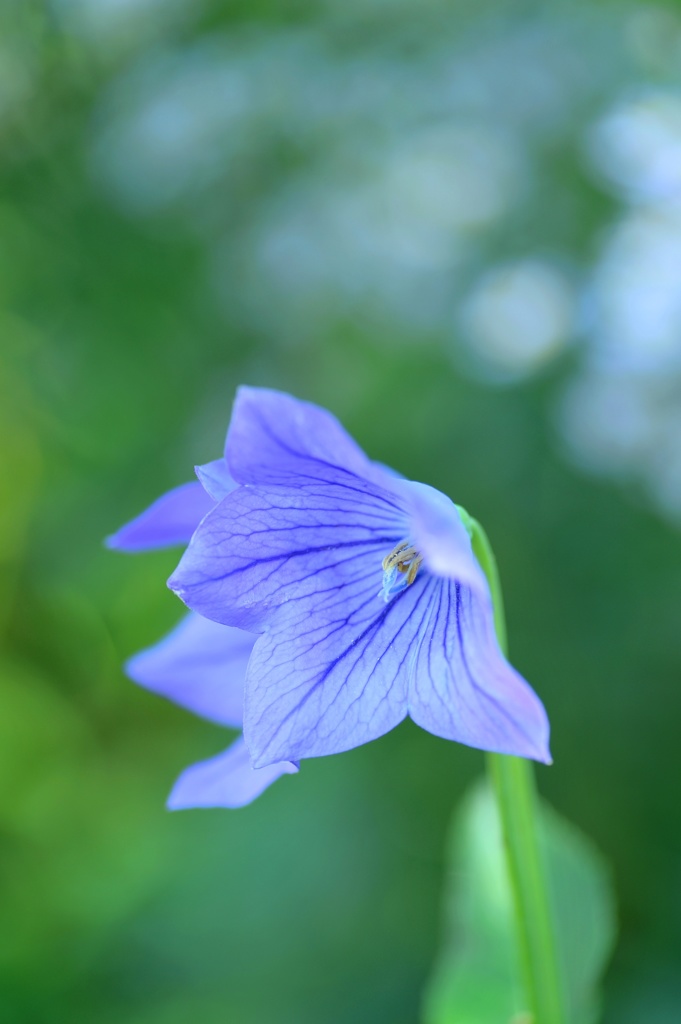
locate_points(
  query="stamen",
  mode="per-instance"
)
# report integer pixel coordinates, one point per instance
(404, 559)
(394, 557)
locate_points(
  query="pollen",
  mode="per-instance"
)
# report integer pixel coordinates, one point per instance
(400, 568)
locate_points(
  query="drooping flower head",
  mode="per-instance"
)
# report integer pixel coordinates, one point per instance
(360, 592)
(363, 588)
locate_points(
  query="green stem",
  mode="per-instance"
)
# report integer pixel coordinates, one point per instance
(514, 787)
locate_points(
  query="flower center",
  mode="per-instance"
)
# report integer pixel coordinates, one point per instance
(400, 568)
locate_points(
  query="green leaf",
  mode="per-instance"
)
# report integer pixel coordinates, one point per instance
(477, 977)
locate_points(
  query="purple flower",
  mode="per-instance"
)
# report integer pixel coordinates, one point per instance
(200, 665)
(364, 591)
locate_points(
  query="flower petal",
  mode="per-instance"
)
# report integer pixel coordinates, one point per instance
(332, 674)
(215, 478)
(261, 547)
(273, 437)
(171, 520)
(225, 781)
(325, 678)
(461, 686)
(201, 666)
(440, 536)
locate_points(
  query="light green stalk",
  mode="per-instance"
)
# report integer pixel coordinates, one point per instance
(514, 786)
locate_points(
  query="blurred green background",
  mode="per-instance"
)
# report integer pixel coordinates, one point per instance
(458, 227)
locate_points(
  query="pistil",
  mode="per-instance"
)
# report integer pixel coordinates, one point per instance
(403, 561)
